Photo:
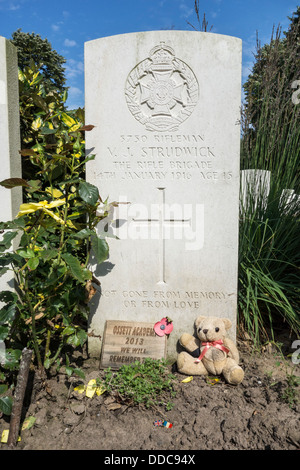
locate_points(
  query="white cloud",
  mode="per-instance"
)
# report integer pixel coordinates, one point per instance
(10, 6)
(70, 43)
(74, 68)
(75, 98)
(55, 27)
(186, 10)
(13, 7)
(74, 91)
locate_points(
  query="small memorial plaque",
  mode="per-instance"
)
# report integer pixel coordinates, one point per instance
(126, 342)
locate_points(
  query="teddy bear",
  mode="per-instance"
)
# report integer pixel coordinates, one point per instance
(212, 352)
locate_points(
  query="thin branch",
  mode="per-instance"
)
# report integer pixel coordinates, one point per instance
(15, 420)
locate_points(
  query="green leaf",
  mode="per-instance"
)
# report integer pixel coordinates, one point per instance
(79, 372)
(48, 254)
(34, 185)
(28, 423)
(69, 330)
(82, 336)
(88, 192)
(28, 253)
(47, 131)
(100, 248)
(47, 363)
(12, 358)
(7, 238)
(33, 263)
(69, 371)
(13, 224)
(65, 96)
(3, 271)
(8, 296)
(73, 340)
(6, 405)
(84, 233)
(7, 313)
(80, 273)
(3, 388)
(4, 330)
(78, 338)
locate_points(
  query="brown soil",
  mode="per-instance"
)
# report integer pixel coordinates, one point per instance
(252, 415)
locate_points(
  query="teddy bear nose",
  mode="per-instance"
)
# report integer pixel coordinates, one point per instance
(205, 331)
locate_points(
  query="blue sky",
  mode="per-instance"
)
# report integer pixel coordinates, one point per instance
(68, 24)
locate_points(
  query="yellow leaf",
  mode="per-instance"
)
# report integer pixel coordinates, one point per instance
(68, 120)
(4, 437)
(100, 390)
(56, 193)
(35, 206)
(54, 216)
(34, 78)
(187, 380)
(70, 224)
(91, 388)
(28, 422)
(37, 123)
(80, 388)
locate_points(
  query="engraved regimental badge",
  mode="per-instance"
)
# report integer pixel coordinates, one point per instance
(162, 90)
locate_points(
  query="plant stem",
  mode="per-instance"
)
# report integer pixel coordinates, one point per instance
(62, 236)
(19, 398)
(33, 329)
(47, 343)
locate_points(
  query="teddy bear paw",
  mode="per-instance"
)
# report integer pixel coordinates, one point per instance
(235, 375)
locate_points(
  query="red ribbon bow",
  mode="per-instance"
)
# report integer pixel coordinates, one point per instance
(215, 344)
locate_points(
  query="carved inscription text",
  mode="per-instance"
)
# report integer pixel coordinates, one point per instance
(125, 342)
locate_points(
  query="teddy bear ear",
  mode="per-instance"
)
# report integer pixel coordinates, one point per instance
(199, 320)
(227, 323)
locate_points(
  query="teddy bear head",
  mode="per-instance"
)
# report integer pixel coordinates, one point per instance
(212, 328)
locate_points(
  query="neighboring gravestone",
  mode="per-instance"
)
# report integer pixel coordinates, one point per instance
(9, 138)
(166, 106)
(255, 189)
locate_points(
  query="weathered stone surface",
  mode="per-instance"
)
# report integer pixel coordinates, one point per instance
(9, 138)
(166, 106)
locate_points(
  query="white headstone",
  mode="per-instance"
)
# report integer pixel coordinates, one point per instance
(166, 106)
(9, 138)
(255, 189)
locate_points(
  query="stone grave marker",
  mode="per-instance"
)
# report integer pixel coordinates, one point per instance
(255, 189)
(166, 111)
(126, 342)
(9, 138)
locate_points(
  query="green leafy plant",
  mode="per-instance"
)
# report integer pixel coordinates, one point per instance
(5, 401)
(55, 229)
(147, 383)
(269, 245)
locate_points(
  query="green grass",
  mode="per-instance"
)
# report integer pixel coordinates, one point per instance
(148, 384)
(269, 242)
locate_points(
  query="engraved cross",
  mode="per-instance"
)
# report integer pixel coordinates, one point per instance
(162, 222)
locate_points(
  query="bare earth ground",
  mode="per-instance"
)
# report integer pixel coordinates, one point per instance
(250, 416)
